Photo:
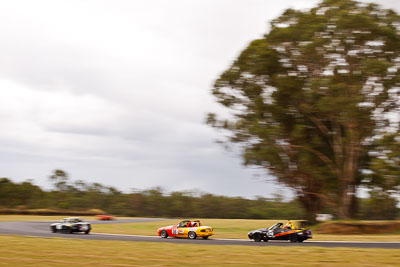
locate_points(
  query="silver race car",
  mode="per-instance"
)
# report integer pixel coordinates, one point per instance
(71, 225)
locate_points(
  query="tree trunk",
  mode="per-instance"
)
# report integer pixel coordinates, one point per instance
(346, 204)
(312, 205)
(347, 178)
(354, 206)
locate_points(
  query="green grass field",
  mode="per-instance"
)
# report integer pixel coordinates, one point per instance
(31, 251)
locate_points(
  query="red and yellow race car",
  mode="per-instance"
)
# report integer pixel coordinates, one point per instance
(187, 229)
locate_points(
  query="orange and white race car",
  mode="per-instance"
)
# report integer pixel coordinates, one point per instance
(187, 229)
(278, 231)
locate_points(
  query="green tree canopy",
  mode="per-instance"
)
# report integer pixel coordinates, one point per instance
(308, 100)
(384, 167)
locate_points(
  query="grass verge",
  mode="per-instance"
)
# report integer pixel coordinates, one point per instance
(229, 228)
(31, 251)
(54, 218)
(223, 228)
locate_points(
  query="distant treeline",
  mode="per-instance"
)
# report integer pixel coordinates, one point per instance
(81, 196)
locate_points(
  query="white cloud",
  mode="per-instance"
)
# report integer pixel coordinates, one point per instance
(116, 91)
(49, 119)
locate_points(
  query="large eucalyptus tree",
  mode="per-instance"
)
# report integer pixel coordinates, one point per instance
(309, 99)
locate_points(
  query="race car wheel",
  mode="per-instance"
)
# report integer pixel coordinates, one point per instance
(300, 240)
(164, 234)
(294, 238)
(53, 229)
(70, 231)
(257, 238)
(87, 232)
(205, 237)
(192, 235)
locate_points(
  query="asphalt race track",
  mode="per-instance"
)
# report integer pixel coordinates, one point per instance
(42, 229)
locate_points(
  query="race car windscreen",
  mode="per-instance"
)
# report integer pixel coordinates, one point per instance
(275, 226)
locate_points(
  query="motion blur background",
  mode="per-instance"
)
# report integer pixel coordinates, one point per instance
(116, 92)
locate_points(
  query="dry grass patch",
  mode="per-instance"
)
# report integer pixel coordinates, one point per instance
(15, 218)
(364, 238)
(55, 218)
(358, 227)
(223, 228)
(24, 251)
(232, 228)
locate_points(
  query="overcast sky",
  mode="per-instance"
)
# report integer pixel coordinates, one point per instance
(116, 92)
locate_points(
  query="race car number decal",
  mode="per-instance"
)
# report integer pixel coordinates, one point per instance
(270, 233)
(174, 231)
